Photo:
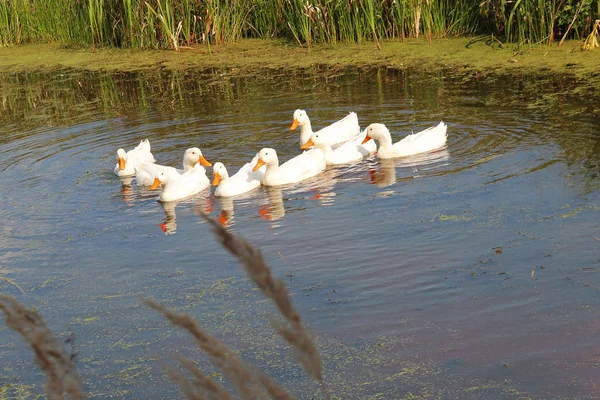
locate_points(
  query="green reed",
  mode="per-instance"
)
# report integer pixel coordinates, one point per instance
(9, 20)
(96, 19)
(170, 28)
(267, 16)
(129, 22)
(24, 21)
(176, 23)
(538, 21)
(228, 19)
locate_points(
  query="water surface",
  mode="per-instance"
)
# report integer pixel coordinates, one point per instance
(470, 272)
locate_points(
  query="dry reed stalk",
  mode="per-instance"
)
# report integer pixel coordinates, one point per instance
(591, 42)
(184, 384)
(200, 387)
(14, 284)
(577, 10)
(244, 377)
(202, 381)
(258, 270)
(63, 380)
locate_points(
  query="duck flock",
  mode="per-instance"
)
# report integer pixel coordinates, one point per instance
(339, 143)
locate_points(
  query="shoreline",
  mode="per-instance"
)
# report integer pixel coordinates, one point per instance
(477, 55)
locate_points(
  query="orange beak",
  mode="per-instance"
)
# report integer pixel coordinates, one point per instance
(259, 163)
(121, 164)
(366, 139)
(294, 124)
(204, 162)
(216, 179)
(308, 144)
(155, 184)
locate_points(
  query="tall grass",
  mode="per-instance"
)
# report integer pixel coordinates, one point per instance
(96, 18)
(176, 23)
(539, 21)
(58, 21)
(170, 28)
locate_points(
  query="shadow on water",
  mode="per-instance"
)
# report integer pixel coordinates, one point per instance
(469, 272)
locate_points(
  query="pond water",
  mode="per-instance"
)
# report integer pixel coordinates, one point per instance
(471, 272)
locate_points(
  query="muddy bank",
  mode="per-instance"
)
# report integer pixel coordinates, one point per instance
(480, 55)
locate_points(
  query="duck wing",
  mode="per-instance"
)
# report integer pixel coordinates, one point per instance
(342, 130)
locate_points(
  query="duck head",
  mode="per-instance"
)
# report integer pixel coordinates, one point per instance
(266, 156)
(121, 158)
(376, 131)
(160, 179)
(300, 118)
(192, 156)
(317, 140)
(219, 173)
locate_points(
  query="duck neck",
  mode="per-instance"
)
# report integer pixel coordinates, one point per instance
(305, 132)
(224, 176)
(188, 168)
(385, 142)
(326, 148)
(188, 165)
(271, 169)
(273, 165)
(166, 184)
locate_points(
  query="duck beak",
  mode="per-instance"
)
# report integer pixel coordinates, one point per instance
(366, 139)
(204, 161)
(216, 179)
(121, 163)
(259, 163)
(155, 184)
(307, 145)
(295, 124)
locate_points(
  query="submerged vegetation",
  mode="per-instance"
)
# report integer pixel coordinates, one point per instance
(155, 24)
(63, 381)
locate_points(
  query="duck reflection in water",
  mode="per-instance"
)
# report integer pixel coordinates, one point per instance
(245, 201)
(320, 188)
(273, 210)
(395, 169)
(127, 190)
(202, 203)
(323, 187)
(226, 215)
(169, 224)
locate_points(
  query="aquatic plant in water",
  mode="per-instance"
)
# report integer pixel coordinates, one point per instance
(63, 380)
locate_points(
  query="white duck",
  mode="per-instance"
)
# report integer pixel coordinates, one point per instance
(146, 172)
(338, 132)
(127, 162)
(430, 139)
(182, 186)
(241, 182)
(301, 167)
(350, 151)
